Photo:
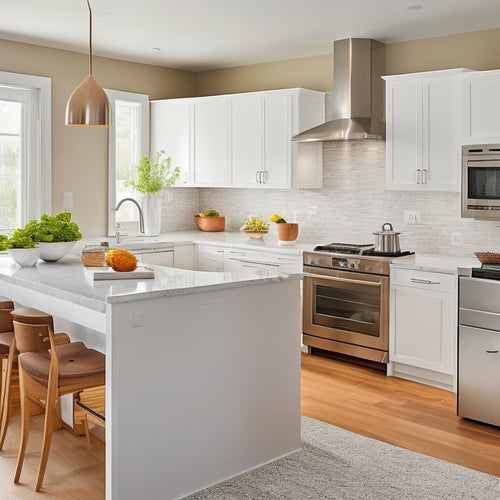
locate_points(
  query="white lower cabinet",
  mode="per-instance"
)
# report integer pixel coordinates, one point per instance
(238, 259)
(423, 326)
(209, 258)
(162, 258)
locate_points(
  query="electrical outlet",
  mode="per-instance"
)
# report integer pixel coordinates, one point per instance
(312, 210)
(412, 216)
(457, 239)
(68, 201)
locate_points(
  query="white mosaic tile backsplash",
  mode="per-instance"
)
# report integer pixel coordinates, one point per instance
(354, 203)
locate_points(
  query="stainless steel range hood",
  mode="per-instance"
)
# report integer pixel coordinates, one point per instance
(358, 93)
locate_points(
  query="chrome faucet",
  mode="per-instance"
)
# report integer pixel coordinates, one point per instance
(141, 217)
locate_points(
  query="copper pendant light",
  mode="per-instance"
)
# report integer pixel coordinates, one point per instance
(88, 105)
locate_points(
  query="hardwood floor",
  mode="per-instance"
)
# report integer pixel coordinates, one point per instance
(356, 398)
(414, 416)
(75, 470)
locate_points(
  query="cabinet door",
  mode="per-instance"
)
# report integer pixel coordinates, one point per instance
(440, 161)
(404, 133)
(159, 258)
(211, 142)
(482, 108)
(172, 131)
(278, 135)
(209, 258)
(424, 328)
(247, 140)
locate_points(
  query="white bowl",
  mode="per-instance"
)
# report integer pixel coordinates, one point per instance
(52, 252)
(24, 256)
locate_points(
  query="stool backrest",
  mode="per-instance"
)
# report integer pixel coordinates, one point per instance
(33, 337)
(31, 315)
(5, 320)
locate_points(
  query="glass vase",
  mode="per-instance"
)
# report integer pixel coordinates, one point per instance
(151, 209)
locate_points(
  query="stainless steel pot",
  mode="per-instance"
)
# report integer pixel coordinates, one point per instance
(387, 240)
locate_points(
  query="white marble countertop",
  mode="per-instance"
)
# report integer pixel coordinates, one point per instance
(438, 263)
(68, 280)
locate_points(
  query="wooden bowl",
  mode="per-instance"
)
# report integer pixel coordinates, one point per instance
(256, 235)
(211, 224)
(287, 231)
(488, 257)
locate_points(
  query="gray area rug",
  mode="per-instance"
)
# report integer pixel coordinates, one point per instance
(337, 464)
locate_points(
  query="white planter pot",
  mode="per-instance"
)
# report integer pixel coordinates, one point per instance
(151, 209)
(24, 256)
(52, 252)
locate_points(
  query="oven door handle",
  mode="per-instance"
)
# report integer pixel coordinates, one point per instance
(346, 280)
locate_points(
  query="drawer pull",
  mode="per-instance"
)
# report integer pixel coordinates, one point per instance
(424, 282)
(492, 351)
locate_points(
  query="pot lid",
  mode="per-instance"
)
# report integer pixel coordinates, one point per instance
(386, 231)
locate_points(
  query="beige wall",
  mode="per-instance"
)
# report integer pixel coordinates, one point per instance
(478, 50)
(80, 154)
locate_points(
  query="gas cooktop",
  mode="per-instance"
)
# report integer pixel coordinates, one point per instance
(357, 249)
(487, 271)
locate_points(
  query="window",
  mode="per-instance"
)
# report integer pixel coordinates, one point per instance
(25, 110)
(128, 141)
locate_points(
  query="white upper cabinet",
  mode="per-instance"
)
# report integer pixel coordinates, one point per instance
(423, 133)
(212, 142)
(172, 131)
(244, 140)
(481, 107)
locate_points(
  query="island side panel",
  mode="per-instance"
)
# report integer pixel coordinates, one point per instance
(206, 388)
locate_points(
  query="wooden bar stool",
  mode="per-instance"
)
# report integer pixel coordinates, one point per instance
(46, 372)
(7, 354)
(25, 315)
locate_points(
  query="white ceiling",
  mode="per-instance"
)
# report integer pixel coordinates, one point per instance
(199, 35)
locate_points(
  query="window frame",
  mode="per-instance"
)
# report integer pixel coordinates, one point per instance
(143, 100)
(37, 188)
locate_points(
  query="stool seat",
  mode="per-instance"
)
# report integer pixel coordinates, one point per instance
(75, 361)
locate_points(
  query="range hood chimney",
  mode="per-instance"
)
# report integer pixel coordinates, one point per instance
(358, 64)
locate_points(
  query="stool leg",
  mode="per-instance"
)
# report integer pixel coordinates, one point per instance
(25, 425)
(6, 394)
(50, 419)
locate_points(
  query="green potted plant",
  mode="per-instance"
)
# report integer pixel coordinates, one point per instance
(152, 175)
(55, 234)
(22, 247)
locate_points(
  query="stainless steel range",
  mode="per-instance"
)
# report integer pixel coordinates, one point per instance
(346, 300)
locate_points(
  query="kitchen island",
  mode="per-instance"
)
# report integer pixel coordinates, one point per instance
(202, 369)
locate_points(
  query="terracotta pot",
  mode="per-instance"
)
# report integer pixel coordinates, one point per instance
(287, 231)
(211, 224)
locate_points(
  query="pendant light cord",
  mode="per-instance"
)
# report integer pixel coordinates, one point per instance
(90, 38)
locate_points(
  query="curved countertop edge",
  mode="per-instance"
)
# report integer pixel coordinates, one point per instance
(195, 289)
(437, 263)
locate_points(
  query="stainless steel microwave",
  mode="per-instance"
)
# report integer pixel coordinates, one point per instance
(481, 181)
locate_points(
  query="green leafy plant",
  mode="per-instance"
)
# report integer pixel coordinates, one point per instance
(255, 224)
(22, 238)
(153, 175)
(52, 228)
(4, 242)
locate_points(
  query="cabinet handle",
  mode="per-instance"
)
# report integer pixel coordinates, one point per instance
(257, 176)
(424, 176)
(264, 176)
(495, 351)
(424, 282)
(418, 173)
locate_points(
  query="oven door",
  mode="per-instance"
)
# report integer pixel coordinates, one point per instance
(347, 307)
